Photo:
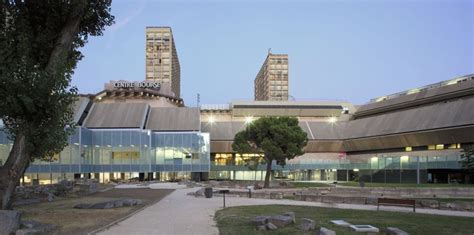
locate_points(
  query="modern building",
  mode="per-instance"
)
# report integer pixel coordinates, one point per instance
(162, 63)
(271, 82)
(412, 136)
(142, 131)
(128, 130)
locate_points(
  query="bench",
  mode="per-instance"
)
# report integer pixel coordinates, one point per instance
(396, 202)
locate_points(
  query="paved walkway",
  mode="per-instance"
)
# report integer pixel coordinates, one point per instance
(179, 213)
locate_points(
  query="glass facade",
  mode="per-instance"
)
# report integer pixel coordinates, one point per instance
(124, 153)
(95, 151)
(380, 168)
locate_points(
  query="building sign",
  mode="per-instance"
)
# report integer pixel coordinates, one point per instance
(121, 84)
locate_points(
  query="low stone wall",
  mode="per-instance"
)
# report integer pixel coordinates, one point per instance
(420, 203)
(361, 199)
(453, 192)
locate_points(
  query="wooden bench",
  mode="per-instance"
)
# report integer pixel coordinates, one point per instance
(396, 202)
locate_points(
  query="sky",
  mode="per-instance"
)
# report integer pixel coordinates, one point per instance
(338, 50)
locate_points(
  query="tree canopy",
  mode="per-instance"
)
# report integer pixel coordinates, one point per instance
(39, 50)
(278, 138)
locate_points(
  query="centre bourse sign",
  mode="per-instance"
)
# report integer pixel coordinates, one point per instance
(153, 85)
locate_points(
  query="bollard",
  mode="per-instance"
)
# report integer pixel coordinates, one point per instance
(223, 192)
(250, 191)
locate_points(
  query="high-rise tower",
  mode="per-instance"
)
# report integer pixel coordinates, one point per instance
(271, 82)
(162, 63)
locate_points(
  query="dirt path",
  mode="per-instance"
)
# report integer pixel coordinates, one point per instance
(81, 221)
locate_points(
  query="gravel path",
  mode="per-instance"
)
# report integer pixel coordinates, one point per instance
(179, 213)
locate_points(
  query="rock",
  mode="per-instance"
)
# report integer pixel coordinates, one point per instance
(9, 221)
(429, 203)
(89, 187)
(292, 215)
(50, 196)
(30, 224)
(83, 206)
(131, 202)
(276, 195)
(36, 227)
(364, 228)
(280, 220)
(395, 231)
(307, 224)
(27, 231)
(199, 193)
(271, 226)
(341, 223)
(325, 231)
(103, 205)
(452, 206)
(110, 204)
(261, 227)
(260, 220)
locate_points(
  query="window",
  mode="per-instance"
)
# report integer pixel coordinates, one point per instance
(454, 146)
(431, 147)
(439, 146)
(408, 149)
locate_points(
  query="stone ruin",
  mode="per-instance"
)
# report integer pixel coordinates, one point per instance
(36, 193)
(273, 222)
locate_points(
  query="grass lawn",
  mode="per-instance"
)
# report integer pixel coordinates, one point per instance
(236, 220)
(309, 184)
(356, 184)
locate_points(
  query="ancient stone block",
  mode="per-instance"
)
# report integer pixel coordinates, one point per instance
(325, 231)
(394, 231)
(9, 221)
(271, 226)
(280, 220)
(260, 220)
(307, 224)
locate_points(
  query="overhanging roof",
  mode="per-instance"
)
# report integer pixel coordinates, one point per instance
(117, 115)
(173, 119)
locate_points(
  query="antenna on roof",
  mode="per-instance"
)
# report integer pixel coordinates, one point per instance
(269, 50)
(198, 99)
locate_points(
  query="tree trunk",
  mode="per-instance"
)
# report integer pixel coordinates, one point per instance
(11, 172)
(268, 174)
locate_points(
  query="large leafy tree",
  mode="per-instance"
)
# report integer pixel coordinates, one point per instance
(278, 138)
(39, 49)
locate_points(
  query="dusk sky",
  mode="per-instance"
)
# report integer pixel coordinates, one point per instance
(338, 50)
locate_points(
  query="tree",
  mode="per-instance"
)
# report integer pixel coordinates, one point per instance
(39, 49)
(278, 138)
(467, 158)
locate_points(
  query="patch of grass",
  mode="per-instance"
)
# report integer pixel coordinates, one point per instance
(236, 220)
(309, 184)
(397, 185)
